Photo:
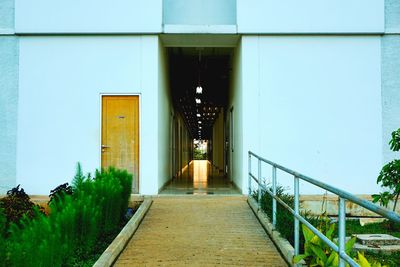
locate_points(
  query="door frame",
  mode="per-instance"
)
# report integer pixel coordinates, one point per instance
(231, 136)
(139, 95)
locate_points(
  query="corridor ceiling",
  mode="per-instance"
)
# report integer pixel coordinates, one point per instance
(214, 67)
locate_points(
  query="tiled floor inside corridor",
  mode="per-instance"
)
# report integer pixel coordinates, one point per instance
(200, 179)
(200, 231)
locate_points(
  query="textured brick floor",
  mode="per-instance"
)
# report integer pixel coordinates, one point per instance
(200, 231)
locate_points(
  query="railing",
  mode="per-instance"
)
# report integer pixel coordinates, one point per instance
(343, 197)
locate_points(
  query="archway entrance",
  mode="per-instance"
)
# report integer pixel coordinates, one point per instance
(200, 144)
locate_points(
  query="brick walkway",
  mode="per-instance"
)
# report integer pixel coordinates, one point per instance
(200, 231)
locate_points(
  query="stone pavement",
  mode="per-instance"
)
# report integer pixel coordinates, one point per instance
(200, 231)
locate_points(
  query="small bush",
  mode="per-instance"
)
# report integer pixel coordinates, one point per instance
(16, 205)
(76, 224)
(2, 235)
(284, 219)
(60, 192)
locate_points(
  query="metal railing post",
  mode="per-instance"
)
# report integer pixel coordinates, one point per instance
(342, 230)
(249, 166)
(259, 183)
(273, 199)
(344, 196)
(296, 221)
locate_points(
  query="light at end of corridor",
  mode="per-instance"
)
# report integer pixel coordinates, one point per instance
(199, 90)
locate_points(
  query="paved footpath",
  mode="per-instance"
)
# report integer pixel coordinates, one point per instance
(200, 231)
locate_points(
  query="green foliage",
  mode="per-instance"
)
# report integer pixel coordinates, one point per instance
(316, 251)
(76, 224)
(78, 178)
(284, 219)
(385, 227)
(389, 177)
(198, 154)
(392, 260)
(363, 262)
(59, 192)
(2, 236)
(16, 205)
(395, 142)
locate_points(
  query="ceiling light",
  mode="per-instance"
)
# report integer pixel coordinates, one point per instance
(199, 122)
(198, 101)
(198, 115)
(199, 90)
(199, 127)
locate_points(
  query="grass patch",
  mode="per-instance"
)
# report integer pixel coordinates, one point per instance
(386, 227)
(354, 227)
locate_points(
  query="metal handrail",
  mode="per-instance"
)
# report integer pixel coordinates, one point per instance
(343, 196)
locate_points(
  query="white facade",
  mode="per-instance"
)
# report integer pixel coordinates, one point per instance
(316, 105)
(307, 87)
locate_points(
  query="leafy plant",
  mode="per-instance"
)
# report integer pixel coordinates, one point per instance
(76, 225)
(389, 177)
(2, 235)
(60, 192)
(363, 262)
(316, 251)
(79, 178)
(395, 142)
(284, 219)
(16, 205)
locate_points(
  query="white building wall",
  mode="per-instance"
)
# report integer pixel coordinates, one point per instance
(8, 96)
(237, 158)
(313, 104)
(199, 12)
(164, 119)
(391, 76)
(88, 16)
(310, 16)
(61, 79)
(218, 142)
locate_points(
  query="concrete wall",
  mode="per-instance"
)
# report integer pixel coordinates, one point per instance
(6, 16)
(61, 79)
(164, 119)
(390, 92)
(182, 146)
(89, 16)
(390, 76)
(392, 16)
(310, 16)
(8, 96)
(250, 16)
(199, 12)
(237, 158)
(218, 142)
(8, 110)
(313, 104)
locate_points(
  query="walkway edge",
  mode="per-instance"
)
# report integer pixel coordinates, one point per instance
(117, 246)
(285, 248)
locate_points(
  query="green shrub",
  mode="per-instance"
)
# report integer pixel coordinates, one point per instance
(76, 223)
(60, 192)
(16, 205)
(2, 237)
(284, 219)
(389, 177)
(318, 253)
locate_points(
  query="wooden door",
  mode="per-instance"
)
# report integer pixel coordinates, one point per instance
(120, 135)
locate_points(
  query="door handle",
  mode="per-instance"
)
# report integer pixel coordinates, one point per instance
(104, 146)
